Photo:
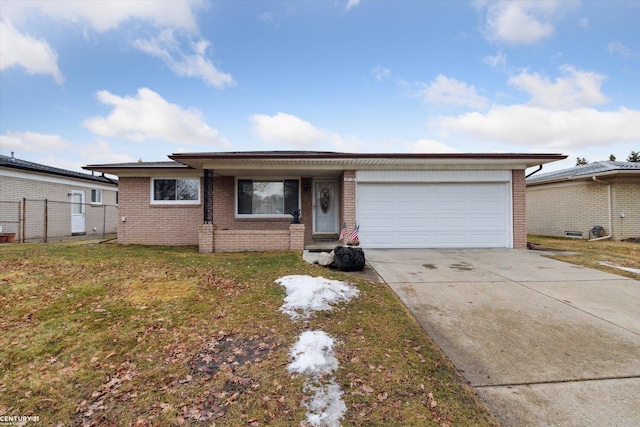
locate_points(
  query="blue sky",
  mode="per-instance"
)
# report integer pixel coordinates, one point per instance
(117, 81)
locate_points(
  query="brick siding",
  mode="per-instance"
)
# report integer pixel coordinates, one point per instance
(625, 194)
(147, 224)
(14, 189)
(554, 209)
(519, 200)
(348, 199)
(577, 206)
(214, 240)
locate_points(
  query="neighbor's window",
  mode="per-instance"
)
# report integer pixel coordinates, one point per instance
(268, 197)
(175, 191)
(96, 196)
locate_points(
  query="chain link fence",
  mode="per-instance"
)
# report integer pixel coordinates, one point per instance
(47, 220)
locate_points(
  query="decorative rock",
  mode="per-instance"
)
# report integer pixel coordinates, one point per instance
(325, 259)
(348, 258)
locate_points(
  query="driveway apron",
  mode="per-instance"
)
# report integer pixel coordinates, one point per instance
(543, 342)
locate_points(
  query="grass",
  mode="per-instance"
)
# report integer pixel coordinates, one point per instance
(133, 335)
(590, 254)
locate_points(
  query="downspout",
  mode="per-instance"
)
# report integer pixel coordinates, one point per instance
(535, 171)
(610, 210)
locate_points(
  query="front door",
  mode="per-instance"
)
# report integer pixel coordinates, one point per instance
(77, 212)
(325, 207)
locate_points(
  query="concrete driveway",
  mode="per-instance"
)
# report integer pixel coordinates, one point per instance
(543, 342)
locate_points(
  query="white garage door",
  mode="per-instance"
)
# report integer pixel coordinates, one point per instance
(434, 215)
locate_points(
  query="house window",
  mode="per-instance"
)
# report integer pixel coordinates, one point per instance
(268, 198)
(178, 191)
(96, 196)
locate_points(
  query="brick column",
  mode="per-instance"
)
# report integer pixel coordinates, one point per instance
(348, 199)
(296, 237)
(519, 194)
(205, 238)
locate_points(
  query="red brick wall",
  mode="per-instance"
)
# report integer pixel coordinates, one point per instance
(348, 199)
(253, 240)
(307, 209)
(518, 184)
(148, 224)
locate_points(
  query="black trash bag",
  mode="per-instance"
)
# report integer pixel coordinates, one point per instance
(348, 258)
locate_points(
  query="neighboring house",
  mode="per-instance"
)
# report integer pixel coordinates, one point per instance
(75, 202)
(242, 200)
(570, 202)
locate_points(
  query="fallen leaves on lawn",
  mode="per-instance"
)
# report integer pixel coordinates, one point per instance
(109, 391)
(229, 351)
(144, 291)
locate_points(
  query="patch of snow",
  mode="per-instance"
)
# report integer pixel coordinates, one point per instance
(632, 270)
(306, 294)
(326, 407)
(313, 354)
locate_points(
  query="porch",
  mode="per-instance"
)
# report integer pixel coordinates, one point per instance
(239, 213)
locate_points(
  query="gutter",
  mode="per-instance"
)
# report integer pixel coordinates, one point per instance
(610, 210)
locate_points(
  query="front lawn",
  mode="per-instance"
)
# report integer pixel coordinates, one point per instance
(102, 334)
(593, 254)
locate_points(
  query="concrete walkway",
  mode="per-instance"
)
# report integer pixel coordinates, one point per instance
(544, 343)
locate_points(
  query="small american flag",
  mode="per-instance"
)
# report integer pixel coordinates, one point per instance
(354, 234)
(343, 232)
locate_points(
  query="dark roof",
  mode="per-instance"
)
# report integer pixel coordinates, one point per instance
(338, 155)
(136, 165)
(606, 167)
(301, 162)
(13, 163)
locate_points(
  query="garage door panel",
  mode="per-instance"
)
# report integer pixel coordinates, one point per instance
(450, 222)
(434, 215)
(493, 224)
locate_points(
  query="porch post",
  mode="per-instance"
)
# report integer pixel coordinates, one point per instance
(208, 197)
(206, 230)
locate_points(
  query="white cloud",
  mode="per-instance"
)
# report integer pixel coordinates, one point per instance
(149, 116)
(576, 89)
(352, 3)
(34, 55)
(288, 129)
(541, 127)
(445, 90)
(617, 48)
(498, 60)
(102, 152)
(584, 22)
(522, 21)
(33, 142)
(431, 146)
(380, 73)
(107, 15)
(266, 17)
(196, 64)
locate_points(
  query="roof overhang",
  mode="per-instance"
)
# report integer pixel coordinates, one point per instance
(285, 163)
(326, 164)
(604, 176)
(57, 172)
(144, 169)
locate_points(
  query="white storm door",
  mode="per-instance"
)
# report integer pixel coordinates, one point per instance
(77, 212)
(325, 206)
